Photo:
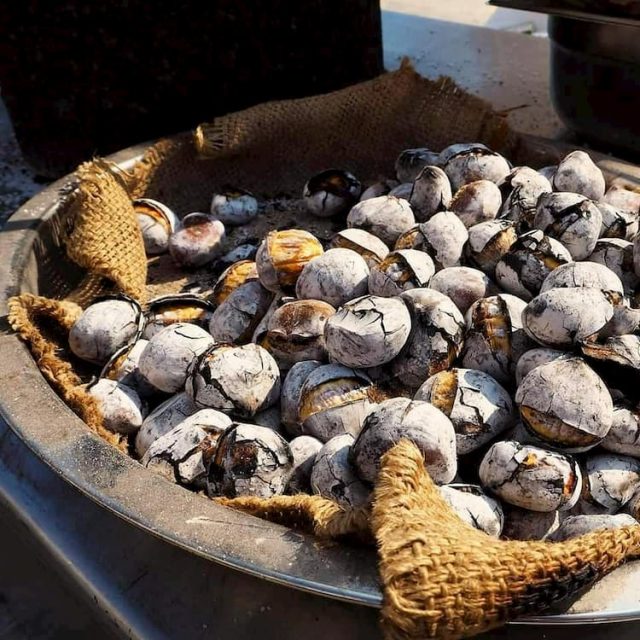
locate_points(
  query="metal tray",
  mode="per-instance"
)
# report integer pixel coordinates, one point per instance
(123, 487)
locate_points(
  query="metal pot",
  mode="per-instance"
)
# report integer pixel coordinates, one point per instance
(157, 561)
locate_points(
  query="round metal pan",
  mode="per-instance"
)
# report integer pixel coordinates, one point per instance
(122, 486)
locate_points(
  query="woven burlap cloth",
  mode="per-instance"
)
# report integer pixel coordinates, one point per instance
(440, 577)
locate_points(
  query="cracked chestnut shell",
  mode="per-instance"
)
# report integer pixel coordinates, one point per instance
(234, 276)
(477, 405)
(282, 256)
(179, 307)
(520, 191)
(443, 237)
(421, 423)
(157, 222)
(400, 271)
(123, 367)
(105, 327)
(611, 480)
(589, 275)
(241, 380)
(333, 400)
(488, 242)
(466, 163)
(250, 461)
(576, 526)
(533, 358)
(368, 331)
(617, 223)
(333, 476)
(370, 247)
(495, 337)
(165, 360)
(617, 256)
(531, 477)
(331, 192)
(566, 404)
(475, 507)
(290, 395)
(624, 435)
(295, 332)
(437, 335)
(530, 259)
(570, 218)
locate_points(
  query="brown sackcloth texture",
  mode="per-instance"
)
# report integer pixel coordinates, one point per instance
(44, 324)
(442, 578)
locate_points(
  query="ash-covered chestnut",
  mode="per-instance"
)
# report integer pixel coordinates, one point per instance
(620, 353)
(617, 223)
(522, 524)
(468, 163)
(488, 242)
(337, 276)
(522, 270)
(183, 454)
(625, 320)
(295, 331)
(283, 255)
(589, 275)
(618, 196)
(380, 188)
(548, 172)
(476, 202)
(479, 408)
(234, 206)
(304, 450)
(495, 337)
(431, 193)
(564, 317)
(576, 526)
(475, 507)
(403, 191)
(370, 247)
(617, 256)
(238, 316)
(633, 506)
(121, 407)
(533, 358)
(531, 477)
(334, 400)
(624, 435)
(105, 327)
(290, 394)
(410, 163)
(179, 307)
(234, 276)
(611, 479)
(385, 217)
(421, 423)
(333, 477)
(197, 240)
(400, 271)
(443, 237)
(520, 192)
(570, 218)
(578, 173)
(162, 419)
(331, 192)
(270, 417)
(462, 285)
(250, 461)
(157, 222)
(437, 334)
(165, 360)
(368, 331)
(566, 404)
(241, 380)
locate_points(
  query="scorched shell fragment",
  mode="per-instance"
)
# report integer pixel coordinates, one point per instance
(157, 222)
(250, 461)
(368, 331)
(421, 423)
(410, 163)
(184, 307)
(488, 242)
(531, 477)
(566, 404)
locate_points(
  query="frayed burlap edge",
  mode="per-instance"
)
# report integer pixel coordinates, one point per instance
(25, 312)
(440, 577)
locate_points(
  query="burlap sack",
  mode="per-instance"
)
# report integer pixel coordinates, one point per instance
(440, 578)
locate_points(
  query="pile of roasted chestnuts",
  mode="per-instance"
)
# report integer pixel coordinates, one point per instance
(487, 313)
